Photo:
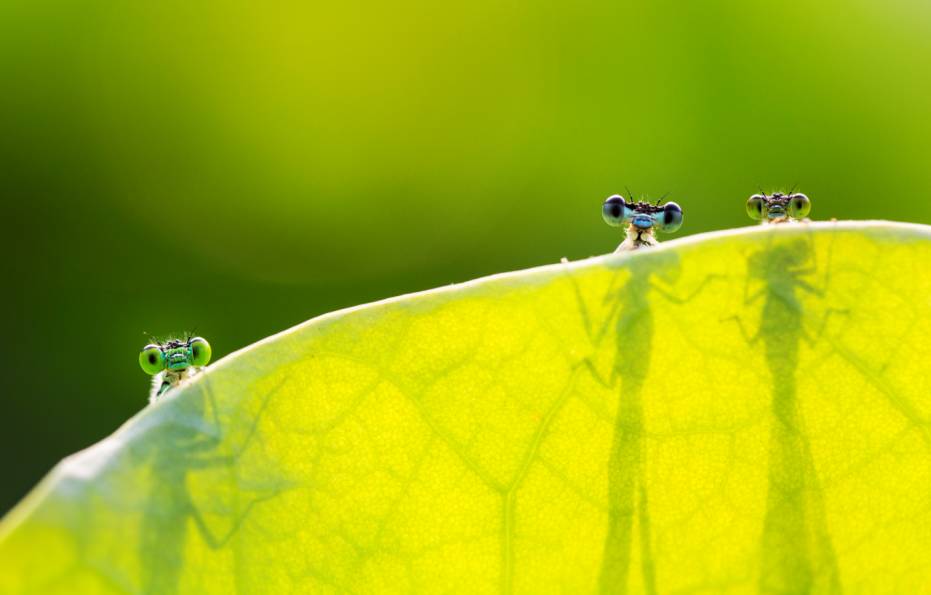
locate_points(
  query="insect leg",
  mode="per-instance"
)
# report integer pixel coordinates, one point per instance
(160, 386)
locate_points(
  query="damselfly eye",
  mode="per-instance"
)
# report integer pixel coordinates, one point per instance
(755, 207)
(671, 218)
(151, 359)
(615, 211)
(200, 351)
(799, 206)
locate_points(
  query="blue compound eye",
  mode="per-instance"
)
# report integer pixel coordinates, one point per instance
(670, 219)
(615, 211)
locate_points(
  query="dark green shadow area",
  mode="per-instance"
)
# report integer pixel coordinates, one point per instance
(631, 319)
(627, 496)
(797, 555)
(196, 444)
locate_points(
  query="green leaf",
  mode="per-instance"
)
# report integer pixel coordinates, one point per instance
(744, 411)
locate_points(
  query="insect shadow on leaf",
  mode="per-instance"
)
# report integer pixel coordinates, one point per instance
(797, 555)
(191, 446)
(630, 315)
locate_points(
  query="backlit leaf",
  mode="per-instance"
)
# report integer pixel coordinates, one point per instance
(744, 411)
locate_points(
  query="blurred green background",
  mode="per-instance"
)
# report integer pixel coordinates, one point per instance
(237, 168)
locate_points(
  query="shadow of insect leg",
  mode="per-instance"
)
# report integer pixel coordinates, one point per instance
(253, 426)
(822, 325)
(230, 460)
(216, 542)
(610, 297)
(596, 375)
(751, 339)
(808, 287)
(675, 299)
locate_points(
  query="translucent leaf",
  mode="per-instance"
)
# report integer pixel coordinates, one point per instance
(742, 411)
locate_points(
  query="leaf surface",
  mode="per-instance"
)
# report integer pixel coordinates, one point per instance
(734, 412)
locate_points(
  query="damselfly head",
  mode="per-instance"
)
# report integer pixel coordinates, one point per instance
(174, 354)
(618, 212)
(778, 207)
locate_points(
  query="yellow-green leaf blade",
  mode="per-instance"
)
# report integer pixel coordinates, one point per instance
(744, 412)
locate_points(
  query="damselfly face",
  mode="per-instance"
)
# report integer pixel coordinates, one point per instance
(778, 207)
(174, 355)
(641, 218)
(641, 215)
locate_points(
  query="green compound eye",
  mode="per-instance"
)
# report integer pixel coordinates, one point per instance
(755, 207)
(200, 351)
(799, 206)
(151, 359)
(671, 218)
(615, 211)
